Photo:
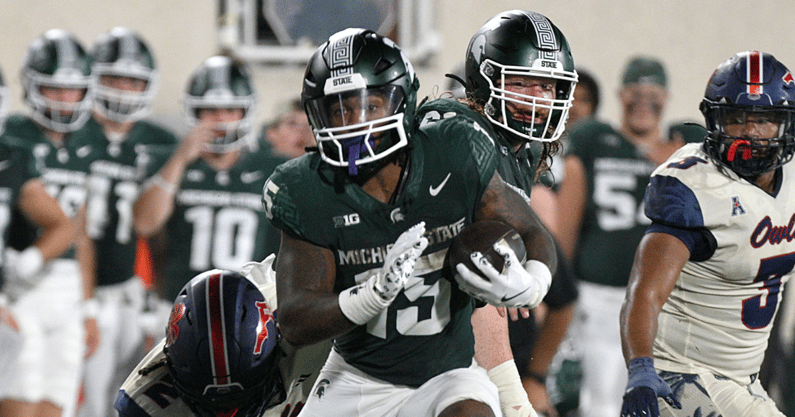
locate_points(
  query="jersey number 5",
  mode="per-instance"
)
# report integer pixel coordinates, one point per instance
(758, 311)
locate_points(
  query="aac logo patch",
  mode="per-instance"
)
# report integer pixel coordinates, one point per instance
(737, 207)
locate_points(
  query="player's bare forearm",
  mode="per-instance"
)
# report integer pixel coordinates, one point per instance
(43, 210)
(501, 202)
(492, 344)
(550, 335)
(309, 310)
(659, 260)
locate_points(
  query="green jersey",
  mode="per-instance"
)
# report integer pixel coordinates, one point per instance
(64, 171)
(516, 168)
(218, 220)
(17, 167)
(115, 177)
(613, 221)
(426, 330)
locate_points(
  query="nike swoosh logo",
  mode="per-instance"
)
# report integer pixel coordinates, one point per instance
(504, 298)
(435, 191)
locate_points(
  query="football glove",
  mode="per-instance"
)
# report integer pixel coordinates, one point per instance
(264, 276)
(366, 300)
(21, 270)
(520, 286)
(643, 388)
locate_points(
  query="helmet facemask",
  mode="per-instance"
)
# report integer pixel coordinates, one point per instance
(517, 113)
(359, 126)
(121, 105)
(59, 116)
(750, 156)
(231, 135)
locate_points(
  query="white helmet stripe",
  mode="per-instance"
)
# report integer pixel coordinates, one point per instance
(341, 53)
(545, 35)
(217, 330)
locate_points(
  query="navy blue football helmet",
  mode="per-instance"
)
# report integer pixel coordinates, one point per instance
(222, 346)
(750, 82)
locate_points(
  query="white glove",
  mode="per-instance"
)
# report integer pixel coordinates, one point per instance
(20, 270)
(519, 286)
(513, 397)
(263, 275)
(260, 272)
(364, 301)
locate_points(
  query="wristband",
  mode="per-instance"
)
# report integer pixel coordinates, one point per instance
(540, 271)
(158, 180)
(361, 302)
(90, 308)
(509, 385)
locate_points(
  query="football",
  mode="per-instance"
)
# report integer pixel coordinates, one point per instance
(481, 237)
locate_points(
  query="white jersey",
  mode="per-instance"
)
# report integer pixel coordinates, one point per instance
(154, 394)
(721, 310)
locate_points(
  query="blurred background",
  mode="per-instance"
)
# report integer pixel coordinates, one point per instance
(276, 36)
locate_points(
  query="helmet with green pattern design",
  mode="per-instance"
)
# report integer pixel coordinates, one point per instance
(360, 94)
(520, 69)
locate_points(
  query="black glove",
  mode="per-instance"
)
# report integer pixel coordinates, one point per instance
(643, 388)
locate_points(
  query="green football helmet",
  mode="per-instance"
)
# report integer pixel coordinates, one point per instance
(221, 82)
(57, 60)
(360, 94)
(515, 44)
(122, 53)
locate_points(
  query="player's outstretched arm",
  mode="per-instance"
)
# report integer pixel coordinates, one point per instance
(658, 261)
(309, 309)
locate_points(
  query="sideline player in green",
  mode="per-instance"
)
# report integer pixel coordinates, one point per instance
(56, 82)
(357, 217)
(607, 169)
(124, 82)
(22, 191)
(206, 198)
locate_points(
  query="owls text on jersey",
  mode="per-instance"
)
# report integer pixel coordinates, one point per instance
(721, 310)
(451, 163)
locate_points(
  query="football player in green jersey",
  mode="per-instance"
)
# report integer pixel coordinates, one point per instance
(366, 221)
(21, 190)
(205, 199)
(606, 172)
(124, 81)
(520, 77)
(55, 76)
